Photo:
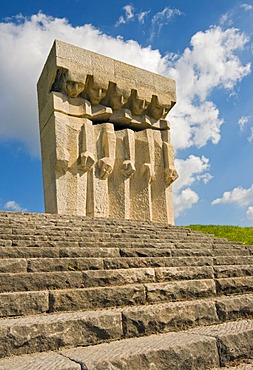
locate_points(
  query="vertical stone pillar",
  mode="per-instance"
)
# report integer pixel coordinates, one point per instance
(119, 181)
(140, 182)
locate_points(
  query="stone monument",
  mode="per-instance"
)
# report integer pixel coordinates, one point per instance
(105, 142)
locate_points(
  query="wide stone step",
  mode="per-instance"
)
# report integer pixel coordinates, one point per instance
(30, 281)
(202, 348)
(177, 349)
(50, 332)
(205, 348)
(53, 331)
(95, 232)
(14, 265)
(54, 252)
(45, 264)
(234, 285)
(30, 302)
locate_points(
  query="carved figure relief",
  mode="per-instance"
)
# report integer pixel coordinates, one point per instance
(113, 156)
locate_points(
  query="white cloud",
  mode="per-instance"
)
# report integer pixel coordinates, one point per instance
(11, 205)
(161, 18)
(249, 213)
(129, 15)
(246, 6)
(243, 121)
(129, 11)
(184, 201)
(250, 138)
(141, 16)
(210, 63)
(239, 196)
(24, 47)
(227, 19)
(191, 170)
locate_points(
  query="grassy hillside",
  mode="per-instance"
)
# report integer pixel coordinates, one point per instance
(233, 233)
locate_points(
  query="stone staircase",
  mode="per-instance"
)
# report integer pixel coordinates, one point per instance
(80, 293)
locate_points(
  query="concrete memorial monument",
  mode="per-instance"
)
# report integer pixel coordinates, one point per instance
(105, 142)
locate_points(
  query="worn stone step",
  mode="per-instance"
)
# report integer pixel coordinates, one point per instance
(234, 285)
(93, 298)
(163, 352)
(55, 263)
(40, 281)
(228, 271)
(234, 339)
(233, 260)
(39, 361)
(44, 264)
(234, 307)
(54, 252)
(201, 348)
(91, 278)
(130, 262)
(96, 232)
(50, 332)
(180, 290)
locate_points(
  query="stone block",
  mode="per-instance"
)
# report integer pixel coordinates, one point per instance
(106, 148)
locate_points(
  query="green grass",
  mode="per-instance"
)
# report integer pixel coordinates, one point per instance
(233, 233)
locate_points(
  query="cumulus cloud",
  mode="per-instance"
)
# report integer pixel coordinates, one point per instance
(191, 170)
(162, 18)
(25, 44)
(249, 213)
(246, 6)
(184, 201)
(243, 121)
(11, 205)
(238, 196)
(210, 63)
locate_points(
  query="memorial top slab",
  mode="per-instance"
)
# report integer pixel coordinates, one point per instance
(100, 78)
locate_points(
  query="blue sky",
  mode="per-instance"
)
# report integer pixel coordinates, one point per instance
(207, 46)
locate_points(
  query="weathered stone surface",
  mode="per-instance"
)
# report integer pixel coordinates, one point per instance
(231, 308)
(233, 271)
(191, 252)
(234, 285)
(92, 298)
(40, 281)
(183, 273)
(234, 339)
(233, 260)
(168, 351)
(179, 290)
(39, 361)
(13, 265)
(138, 278)
(26, 335)
(167, 317)
(23, 303)
(145, 252)
(64, 264)
(118, 277)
